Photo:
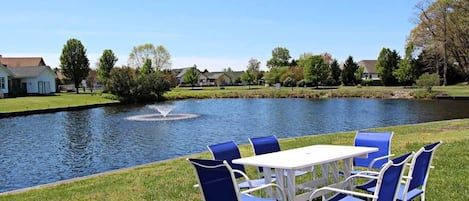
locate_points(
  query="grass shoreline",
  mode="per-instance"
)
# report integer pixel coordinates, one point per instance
(172, 179)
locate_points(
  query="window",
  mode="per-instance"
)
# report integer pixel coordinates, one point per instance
(2, 82)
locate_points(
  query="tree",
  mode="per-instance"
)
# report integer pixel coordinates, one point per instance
(427, 81)
(191, 76)
(106, 62)
(280, 57)
(146, 69)
(252, 72)
(122, 83)
(91, 79)
(150, 87)
(73, 61)
(335, 72)
(315, 69)
(159, 56)
(442, 28)
(358, 74)
(406, 72)
(386, 64)
(348, 73)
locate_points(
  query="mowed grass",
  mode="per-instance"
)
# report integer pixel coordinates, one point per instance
(308, 92)
(173, 179)
(59, 100)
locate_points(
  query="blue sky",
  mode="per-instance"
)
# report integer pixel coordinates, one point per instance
(213, 34)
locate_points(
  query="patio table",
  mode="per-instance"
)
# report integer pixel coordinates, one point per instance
(305, 157)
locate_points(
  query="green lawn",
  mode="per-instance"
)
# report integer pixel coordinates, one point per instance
(302, 92)
(173, 179)
(59, 100)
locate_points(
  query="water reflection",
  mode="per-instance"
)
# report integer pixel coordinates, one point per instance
(39, 149)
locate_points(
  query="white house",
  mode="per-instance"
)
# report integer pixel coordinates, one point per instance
(5, 75)
(34, 80)
(369, 69)
(26, 75)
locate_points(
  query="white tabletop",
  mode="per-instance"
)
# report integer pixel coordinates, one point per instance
(305, 156)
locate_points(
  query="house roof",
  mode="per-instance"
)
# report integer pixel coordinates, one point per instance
(22, 61)
(368, 65)
(31, 71)
(5, 69)
(214, 75)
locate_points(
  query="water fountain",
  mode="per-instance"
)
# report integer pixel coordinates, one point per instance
(162, 115)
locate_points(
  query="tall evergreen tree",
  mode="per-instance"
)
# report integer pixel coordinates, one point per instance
(386, 64)
(348, 73)
(74, 62)
(335, 72)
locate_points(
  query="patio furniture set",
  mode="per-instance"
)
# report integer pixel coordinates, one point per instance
(365, 171)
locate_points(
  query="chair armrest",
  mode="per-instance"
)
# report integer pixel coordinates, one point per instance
(245, 176)
(282, 193)
(370, 166)
(341, 191)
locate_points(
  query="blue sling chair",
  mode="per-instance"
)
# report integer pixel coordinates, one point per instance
(229, 151)
(414, 184)
(268, 144)
(217, 182)
(387, 183)
(375, 160)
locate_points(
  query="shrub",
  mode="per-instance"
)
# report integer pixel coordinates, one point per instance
(427, 81)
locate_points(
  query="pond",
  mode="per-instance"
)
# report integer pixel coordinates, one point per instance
(45, 148)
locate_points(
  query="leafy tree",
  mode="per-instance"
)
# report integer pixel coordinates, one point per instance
(252, 72)
(358, 74)
(106, 62)
(442, 28)
(73, 61)
(91, 79)
(122, 83)
(427, 81)
(407, 72)
(275, 75)
(159, 56)
(386, 64)
(348, 73)
(151, 87)
(316, 71)
(335, 72)
(280, 57)
(191, 76)
(146, 69)
(129, 87)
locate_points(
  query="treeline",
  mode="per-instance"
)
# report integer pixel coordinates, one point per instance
(437, 53)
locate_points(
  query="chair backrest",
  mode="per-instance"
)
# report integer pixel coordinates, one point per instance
(216, 180)
(390, 177)
(381, 140)
(264, 145)
(420, 166)
(227, 151)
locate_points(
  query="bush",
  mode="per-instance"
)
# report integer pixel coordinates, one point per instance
(427, 81)
(124, 83)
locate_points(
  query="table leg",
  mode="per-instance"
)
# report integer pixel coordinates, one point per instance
(290, 184)
(280, 177)
(325, 172)
(335, 171)
(347, 170)
(268, 179)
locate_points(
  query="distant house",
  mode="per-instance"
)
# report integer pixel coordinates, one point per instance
(369, 69)
(26, 75)
(5, 76)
